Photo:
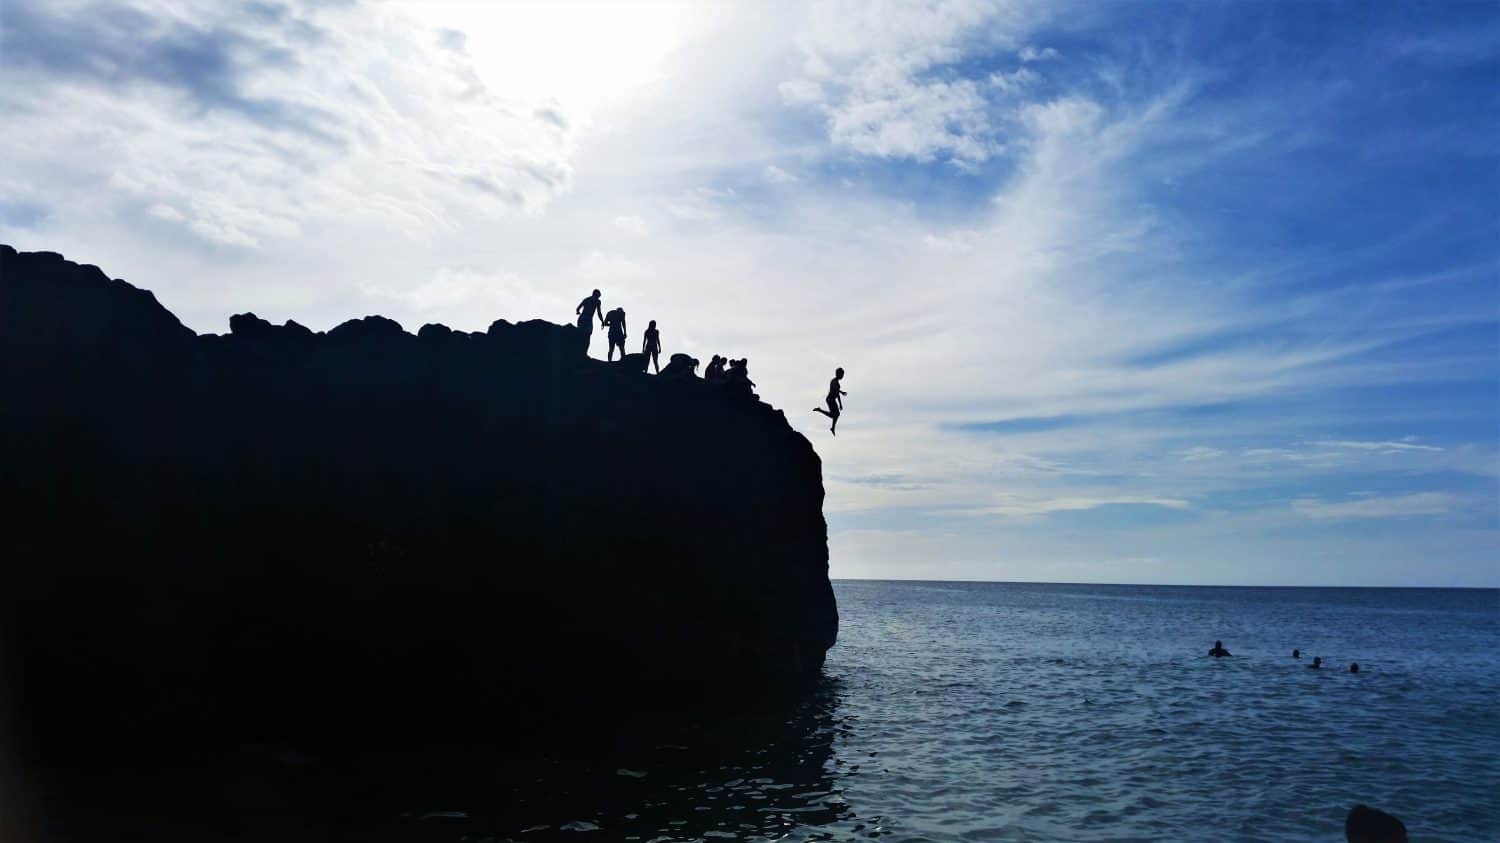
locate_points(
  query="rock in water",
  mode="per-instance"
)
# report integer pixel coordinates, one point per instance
(310, 535)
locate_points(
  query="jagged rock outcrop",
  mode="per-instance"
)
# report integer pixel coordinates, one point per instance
(301, 535)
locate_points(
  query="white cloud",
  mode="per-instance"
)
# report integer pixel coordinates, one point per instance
(602, 268)
(1030, 54)
(316, 113)
(165, 212)
(1387, 447)
(1397, 506)
(1015, 81)
(776, 175)
(632, 225)
(871, 68)
(957, 241)
(1018, 507)
(801, 92)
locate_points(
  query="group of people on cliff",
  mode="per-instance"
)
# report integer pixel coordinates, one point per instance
(734, 375)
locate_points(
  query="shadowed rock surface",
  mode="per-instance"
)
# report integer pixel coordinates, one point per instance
(313, 537)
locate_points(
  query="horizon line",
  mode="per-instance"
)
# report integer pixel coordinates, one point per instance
(1162, 585)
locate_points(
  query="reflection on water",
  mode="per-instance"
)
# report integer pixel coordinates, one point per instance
(761, 775)
(765, 773)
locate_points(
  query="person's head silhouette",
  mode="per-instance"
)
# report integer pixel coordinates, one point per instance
(1218, 645)
(1296, 654)
(652, 325)
(1354, 667)
(595, 295)
(839, 372)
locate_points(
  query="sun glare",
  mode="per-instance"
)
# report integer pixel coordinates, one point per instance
(582, 54)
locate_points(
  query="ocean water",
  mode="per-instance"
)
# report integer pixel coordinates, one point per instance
(976, 711)
(990, 711)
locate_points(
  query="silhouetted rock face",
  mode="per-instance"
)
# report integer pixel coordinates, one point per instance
(281, 533)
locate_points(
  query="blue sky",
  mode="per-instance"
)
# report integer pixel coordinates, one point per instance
(1127, 292)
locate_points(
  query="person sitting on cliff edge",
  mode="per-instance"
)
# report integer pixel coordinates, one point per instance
(587, 310)
(616, 322)
(714, 372)
(738, 377)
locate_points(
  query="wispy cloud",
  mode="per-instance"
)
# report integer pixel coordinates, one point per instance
(1398, 506)
(252, 123)
(1018, 507)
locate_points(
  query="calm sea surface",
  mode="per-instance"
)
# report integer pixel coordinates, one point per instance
(966, 711)
(969, 711)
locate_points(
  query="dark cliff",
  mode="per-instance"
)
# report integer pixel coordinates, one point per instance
(303, 535)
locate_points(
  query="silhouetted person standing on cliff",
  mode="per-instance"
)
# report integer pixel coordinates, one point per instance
(835, 402)
(616, 322)
(587, 310)
(652, 345)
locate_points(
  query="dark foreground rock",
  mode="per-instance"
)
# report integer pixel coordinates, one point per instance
(307, 537)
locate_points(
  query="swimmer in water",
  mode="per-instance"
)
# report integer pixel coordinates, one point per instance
(1218, 651)
(1354, 667)
(1317, 663)
(1296, 654)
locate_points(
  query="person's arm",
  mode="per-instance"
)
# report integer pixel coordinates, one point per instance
(600, 313)
(623, 333)
(579, 309)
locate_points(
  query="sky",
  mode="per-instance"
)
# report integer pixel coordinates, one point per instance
(1202, 293)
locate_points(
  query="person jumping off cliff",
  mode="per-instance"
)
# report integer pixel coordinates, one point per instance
(615, 319)
(587, 310)
(652, 345)
(835, 402)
